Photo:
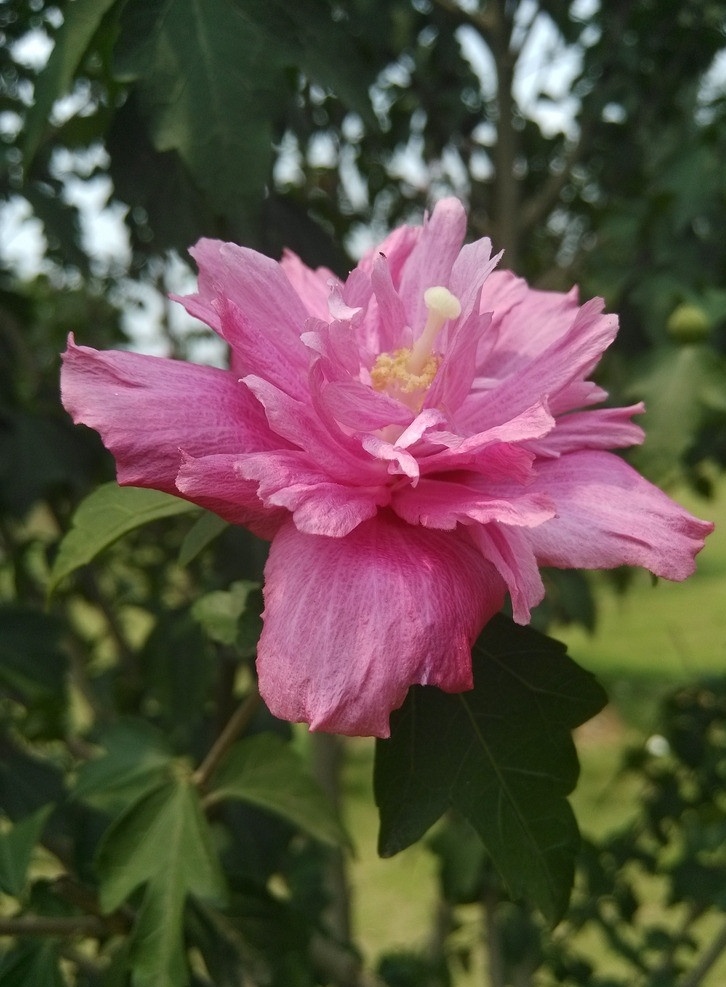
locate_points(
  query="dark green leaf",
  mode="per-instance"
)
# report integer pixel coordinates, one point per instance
(103, 517)
(502, 755)
(16, 849)
(204, 85)
(177, 667)
(226, 950)
(266, 772)
(32, 664)
(81, 20)
(27, 782)
(214, 81)
(164, 842)
(31, 964)
(136, 759)
(462, 859)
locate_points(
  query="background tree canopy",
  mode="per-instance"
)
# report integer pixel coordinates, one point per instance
(587, 141)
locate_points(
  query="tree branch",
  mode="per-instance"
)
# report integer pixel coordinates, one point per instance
(235, 727)
(540, 205)
(46, 925)
(695, 977)
(482, 21)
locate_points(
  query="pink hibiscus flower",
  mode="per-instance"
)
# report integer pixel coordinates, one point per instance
(415, 442)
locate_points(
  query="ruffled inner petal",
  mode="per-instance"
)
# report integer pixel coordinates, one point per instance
(319, 505)
(264, 353)
(432, 259)
(468, 498)
(569, 358)
(605, 428)
(510, 552)
(311, 286)
(351, 623)
(256, 284)
(214, 482)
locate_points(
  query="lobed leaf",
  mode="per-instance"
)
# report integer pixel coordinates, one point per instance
(162, 841)
(136, 759)
(264, 771)
(501, 754)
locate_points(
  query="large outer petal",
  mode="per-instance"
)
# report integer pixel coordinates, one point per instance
(150, 410)
(350, 623)
(608, 515)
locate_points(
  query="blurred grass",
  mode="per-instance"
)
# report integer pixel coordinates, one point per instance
(649, 639)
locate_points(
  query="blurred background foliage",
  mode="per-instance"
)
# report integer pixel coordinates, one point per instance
(588, 140)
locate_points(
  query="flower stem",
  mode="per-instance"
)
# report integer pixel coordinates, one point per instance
(235, 726)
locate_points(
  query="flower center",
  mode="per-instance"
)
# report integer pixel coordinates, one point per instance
(408, 372)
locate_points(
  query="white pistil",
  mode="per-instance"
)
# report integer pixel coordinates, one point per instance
(442, 305)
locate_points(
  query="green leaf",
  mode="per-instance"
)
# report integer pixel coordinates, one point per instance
(164, 842)
(16, 849)
(177, 669)
(31, 964)
(136, 760)
(214, 78)
(103, 517)
(266, 772)
(501, 754)
(204, 530)
(81, 20)
(219, 612)
(682, 386)
(33, 668)
(203, 83)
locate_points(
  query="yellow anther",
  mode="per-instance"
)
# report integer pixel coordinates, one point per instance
(408, 373)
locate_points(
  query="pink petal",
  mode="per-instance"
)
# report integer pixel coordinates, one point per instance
(147, 409)
(466, 499)
(264, 353)
(608, 515)
(311, 286)
(476, 450)
(302, 426)
(432, 259)
(214, 482)
(256, 284)
(389, 310)
(400, 462)
(567, 359)
(396, 248)
(357, 406)
(605, 428)
(471, 269)
(319, 505)
(454, 377)
(510, 552)
(336, 342)
(350, 623)
(525, 322)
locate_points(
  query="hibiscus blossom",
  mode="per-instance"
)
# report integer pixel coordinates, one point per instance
(415, 442)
